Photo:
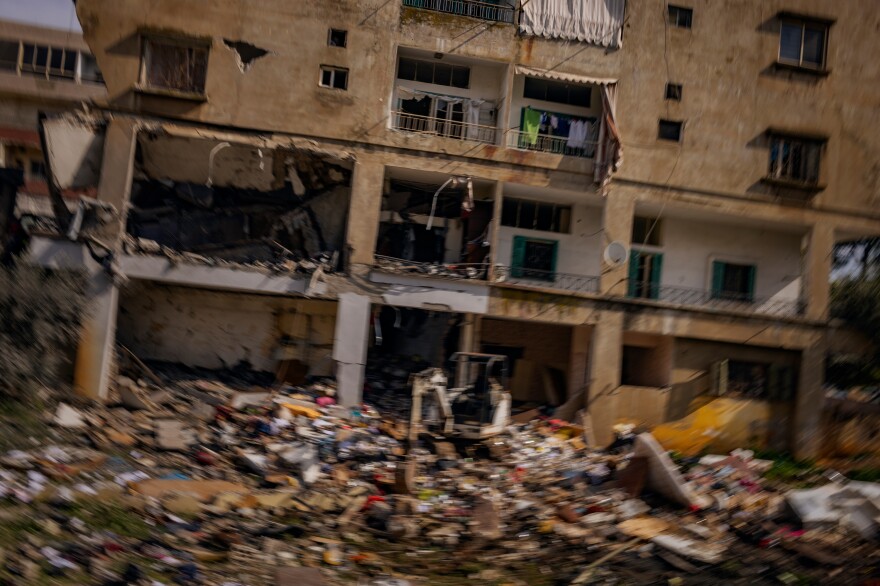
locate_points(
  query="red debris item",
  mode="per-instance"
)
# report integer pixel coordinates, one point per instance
(325, 401)
(205, 458)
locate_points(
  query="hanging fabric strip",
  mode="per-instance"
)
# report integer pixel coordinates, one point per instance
(609, 155)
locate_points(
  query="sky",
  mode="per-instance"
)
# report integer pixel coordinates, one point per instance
(54, 13)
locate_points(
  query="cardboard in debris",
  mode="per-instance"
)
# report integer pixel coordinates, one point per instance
(205, 490)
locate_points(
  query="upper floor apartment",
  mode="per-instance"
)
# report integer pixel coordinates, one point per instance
(46, 65)
(769, 100)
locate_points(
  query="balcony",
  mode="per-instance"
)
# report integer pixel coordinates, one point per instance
(456, 271)
(545, 279)
(557, 145)
(492, 11)
(443, 127)
(693, 297)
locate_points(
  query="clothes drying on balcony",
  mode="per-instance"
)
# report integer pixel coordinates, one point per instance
(576, 132)
(599, 22)
(468, 112)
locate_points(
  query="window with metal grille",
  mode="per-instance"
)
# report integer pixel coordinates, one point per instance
(795, 159)
(532, 215)
(534, 258)
(435, 73)
(175, 65)
(334, 77)
(548, 90)
(680, 16)
(803, 43)
(732, 281)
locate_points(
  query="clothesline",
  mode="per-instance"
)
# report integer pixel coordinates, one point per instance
(579, 132)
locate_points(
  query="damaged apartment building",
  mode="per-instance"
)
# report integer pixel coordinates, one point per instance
(635, 202)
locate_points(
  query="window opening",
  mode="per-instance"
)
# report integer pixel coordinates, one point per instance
(334, 77)
(176, 66)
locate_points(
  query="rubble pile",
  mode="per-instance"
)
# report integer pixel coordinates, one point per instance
(227, 481)
(269, 257)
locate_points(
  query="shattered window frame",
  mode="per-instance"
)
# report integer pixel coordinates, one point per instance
(185, 69)
(796, 159)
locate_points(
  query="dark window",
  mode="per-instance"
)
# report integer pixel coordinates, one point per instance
(173, 65)
(89, 69)
(334, 77)
(435, 73)
(35, 59)
(554, 91)
(803, 43)
(534, 258)
(646, 231)
(62, 63)
(795, 159)
(533, 215)
(680, 16)
(673, 91)
(37, 170)
(338, 38)
(9, 55)
(670, 130)
(731, 281)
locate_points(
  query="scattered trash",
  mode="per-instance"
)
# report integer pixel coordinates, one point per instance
(238, 480)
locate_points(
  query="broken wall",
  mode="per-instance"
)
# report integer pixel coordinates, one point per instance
(535, 347)
(214, 329)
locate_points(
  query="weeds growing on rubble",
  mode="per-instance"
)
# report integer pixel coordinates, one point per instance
(40, 313)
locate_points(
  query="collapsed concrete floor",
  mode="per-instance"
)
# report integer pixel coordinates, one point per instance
(200, 476)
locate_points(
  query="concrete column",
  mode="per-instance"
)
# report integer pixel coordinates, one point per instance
(117, 172)
(817, 269)
(809, 400)
(363, 214)
(465, 344)
(497, 202)
(617, 222)
(350, 343)
(95, 351)
(579, 363)
(605, 362)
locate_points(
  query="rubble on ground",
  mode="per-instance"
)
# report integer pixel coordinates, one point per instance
(230, 480)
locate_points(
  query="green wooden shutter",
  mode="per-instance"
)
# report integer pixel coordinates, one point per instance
(717, 278)
(555, 255)
(633, 274)
(656, 268)
(519, 254)
(751, 293)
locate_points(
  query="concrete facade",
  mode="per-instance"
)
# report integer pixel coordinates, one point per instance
(709, 190)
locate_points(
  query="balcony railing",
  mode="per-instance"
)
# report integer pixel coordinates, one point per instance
(441, 127)
(703, 298)
(557, 145)
(445, 270)
(497, 12)
(548, 279)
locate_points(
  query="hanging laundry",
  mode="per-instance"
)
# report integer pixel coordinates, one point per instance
(531, 125)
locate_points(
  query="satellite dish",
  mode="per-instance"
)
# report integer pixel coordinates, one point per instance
(615, 253)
